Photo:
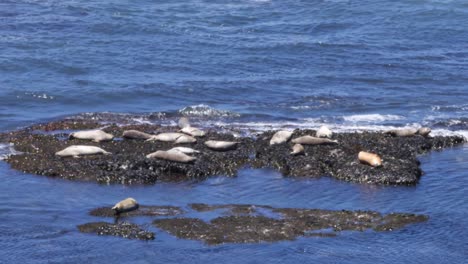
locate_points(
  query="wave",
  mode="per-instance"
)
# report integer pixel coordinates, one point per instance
(204, 116)
(450, 108)
(203, 110)
(369, 118)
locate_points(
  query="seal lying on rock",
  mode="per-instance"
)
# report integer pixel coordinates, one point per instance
(94, 135)
(405, 132)
(193, 131)
(185, 139)
(370, 159)
(309, 140)
(185, 150)
(424, 131)
(177, 138)
(324, 132)
(297, 149)
(221, 145)
(166, 137)
(281, 137)
(79, 150)
(126, 205)
(135, 134)
(174, 155)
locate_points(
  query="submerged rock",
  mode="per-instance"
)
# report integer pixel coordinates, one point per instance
(125, 230)
(248, 223)
(290, 224)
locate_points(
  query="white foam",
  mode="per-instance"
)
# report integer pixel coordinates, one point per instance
(372, 118)
(7, 150)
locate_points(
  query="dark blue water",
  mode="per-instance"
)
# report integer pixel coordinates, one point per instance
(245, 64)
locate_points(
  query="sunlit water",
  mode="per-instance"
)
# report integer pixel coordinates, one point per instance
(245, 64)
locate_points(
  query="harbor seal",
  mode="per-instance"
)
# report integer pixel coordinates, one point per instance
(424, 131)
(193, 131)
(405, 132)
(126, 205)
(324, 132)
(94, 135)
(370, 159)
(166, 137)
(135, 134)
(309, 140)
(80, 150)
(221, 145)
(174, 155)
(185, 150)
(297, 149)
(280, 137)
(185, 139)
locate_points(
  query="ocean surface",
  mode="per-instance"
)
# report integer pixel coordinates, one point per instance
(245, 65)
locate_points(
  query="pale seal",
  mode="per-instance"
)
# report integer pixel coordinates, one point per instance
(80, 150)
(166, 137)
(174, 155)
(309, 140)
(185, 139)
(280, 137)
(193, 131)
(126, 205)
(221, 145)
(324, 132)
(405, 132)
(297, 149)
(94, 135)
(424, 131)
(370, 159)
(185, 150)
(135, 134)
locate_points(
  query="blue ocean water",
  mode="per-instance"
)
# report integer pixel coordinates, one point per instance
(247, 64)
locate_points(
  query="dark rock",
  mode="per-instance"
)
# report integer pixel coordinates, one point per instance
(399, 154)
(128, 164)
(125, 230)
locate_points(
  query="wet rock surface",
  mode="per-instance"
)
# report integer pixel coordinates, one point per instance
(128, 164)
(247, 223)
(290, 224)
(233, 209)
(399, 154)
(125, 230)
